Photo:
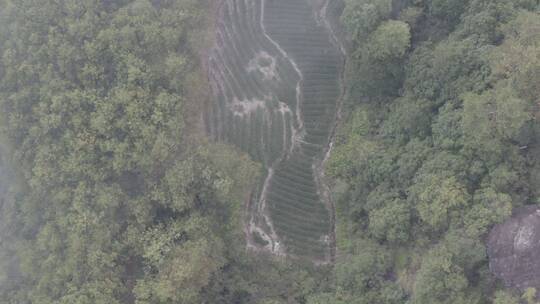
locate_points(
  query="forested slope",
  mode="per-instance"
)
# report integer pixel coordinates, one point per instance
(115, 196)
(120, 201)
(441, 142)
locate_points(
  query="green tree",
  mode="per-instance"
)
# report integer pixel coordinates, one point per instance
(363, 270)
(494, 120)
(448, 10)
(440, 280)
(409, 118)
(361, 17)
(503, 297)
(324, 298)
(489, 207)
(392, 222)
(389, 41)
(437, 199)
(529, 295)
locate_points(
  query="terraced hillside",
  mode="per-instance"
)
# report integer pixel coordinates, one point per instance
(275, 74)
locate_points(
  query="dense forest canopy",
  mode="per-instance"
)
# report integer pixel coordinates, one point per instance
(120, 202)
(442, 142)
(115, 196)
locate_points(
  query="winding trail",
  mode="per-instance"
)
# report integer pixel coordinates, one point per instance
(276, 75)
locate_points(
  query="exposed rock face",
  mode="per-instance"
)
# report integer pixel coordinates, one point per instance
(514, 249)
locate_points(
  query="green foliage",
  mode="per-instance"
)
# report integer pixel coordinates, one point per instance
(438, 198)
(181, 272)
(325, 298)
(446, 130)
(409, 118)
(120, 205)
(439, 280)
(391, 222)
(361, 17)
(432, 159)
(362, 270)
(447, 10)
(529, 295)
(120, 201)
(360, 277)
(377, 63)
(489, 207)
(495, 114)
(389, 41)
(503, 297)
(443, 72)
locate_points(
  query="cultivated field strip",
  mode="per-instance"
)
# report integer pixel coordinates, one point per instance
(254, 84)
(275, 73)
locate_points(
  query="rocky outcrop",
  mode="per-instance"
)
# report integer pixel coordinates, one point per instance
(514, 249)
